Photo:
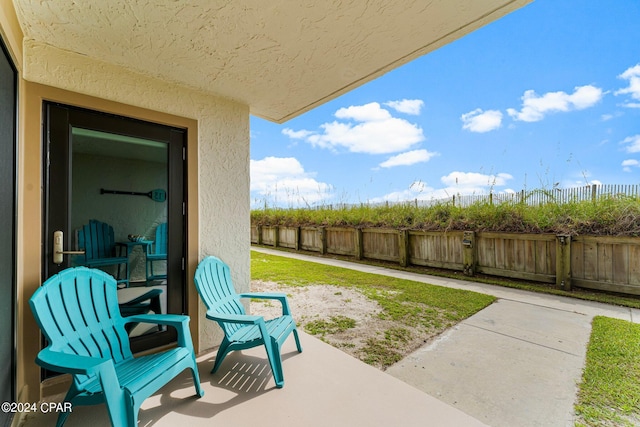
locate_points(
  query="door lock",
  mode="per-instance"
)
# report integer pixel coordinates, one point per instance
(58, 252)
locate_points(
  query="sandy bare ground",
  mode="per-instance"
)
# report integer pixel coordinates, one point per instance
(323, 302)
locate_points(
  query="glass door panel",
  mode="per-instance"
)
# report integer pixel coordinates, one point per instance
(121, 181)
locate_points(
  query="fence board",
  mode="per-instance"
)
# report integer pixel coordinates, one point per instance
(620, 265)
(590, 257)
(518, 255)
(310, 239)
(577, 259)
(500, 253)
(542, 258)
(288, 237)
(434, 249)
(634, 264)
(341, 241)
(486, 253)
(530, 254)
(454, 249)
(268, 235)
(380, 244)
(604, 262)
(255, 234)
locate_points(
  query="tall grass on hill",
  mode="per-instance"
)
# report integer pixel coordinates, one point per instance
(608, 215)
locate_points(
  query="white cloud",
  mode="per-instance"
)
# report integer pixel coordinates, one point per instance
(364, 113)
(631, 74)
(535, 107)
(365, 128)
(629, 163)
(282, 181)
(455, 183)
(481, 121)
(407, 106)
(633, 144)
(408, 158)
(301, 134)
(474, 180)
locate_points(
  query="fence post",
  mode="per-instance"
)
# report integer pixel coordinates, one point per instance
(563, 262)
(358, 242)
(323, 240)
(403, 247)
(469, 252)
(297, 237)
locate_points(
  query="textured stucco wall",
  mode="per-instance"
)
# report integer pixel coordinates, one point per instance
(223, 150)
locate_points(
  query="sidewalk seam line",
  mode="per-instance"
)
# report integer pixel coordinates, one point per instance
(521, 339)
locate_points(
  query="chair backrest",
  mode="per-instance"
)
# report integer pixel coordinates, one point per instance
(97, 240)
(161, 239)
(77, 311)
(213, 282)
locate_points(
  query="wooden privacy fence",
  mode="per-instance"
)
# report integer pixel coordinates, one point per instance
(594, 262)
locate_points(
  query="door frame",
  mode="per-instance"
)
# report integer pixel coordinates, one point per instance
(30, 237)
(7, 418)
(57, 194)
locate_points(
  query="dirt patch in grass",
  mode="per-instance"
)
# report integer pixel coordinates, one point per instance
(346, 319)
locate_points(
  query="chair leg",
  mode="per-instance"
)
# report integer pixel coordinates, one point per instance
(117, 409)
(196, 378)
(273, 354)
(71, 394)
(222, 353)
(62, 418)
(295, 335)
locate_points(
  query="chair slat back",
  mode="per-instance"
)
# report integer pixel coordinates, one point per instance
(77, 310)
(97, 239)
(214, 284)
(161, 239)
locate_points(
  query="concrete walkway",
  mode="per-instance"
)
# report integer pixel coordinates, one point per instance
(516, 363)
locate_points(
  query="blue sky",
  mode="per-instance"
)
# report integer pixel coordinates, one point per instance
(546, 96)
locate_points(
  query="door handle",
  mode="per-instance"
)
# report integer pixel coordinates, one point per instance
(58, 252)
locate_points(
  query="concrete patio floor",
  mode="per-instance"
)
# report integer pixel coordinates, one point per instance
(323, 387)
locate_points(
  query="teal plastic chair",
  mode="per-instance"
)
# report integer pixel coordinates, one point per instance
(242, 331)
(157, 252)
(77, 311)
(97, 240)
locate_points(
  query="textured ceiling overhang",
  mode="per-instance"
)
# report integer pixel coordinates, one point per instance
(280, 57)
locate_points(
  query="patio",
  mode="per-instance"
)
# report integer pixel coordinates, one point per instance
(323, 386)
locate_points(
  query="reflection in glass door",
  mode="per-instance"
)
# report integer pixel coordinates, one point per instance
(120, 182)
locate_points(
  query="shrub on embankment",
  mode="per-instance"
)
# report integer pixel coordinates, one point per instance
(608, 215)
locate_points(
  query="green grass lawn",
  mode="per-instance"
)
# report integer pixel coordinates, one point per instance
(609, 394)
(408, 305)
